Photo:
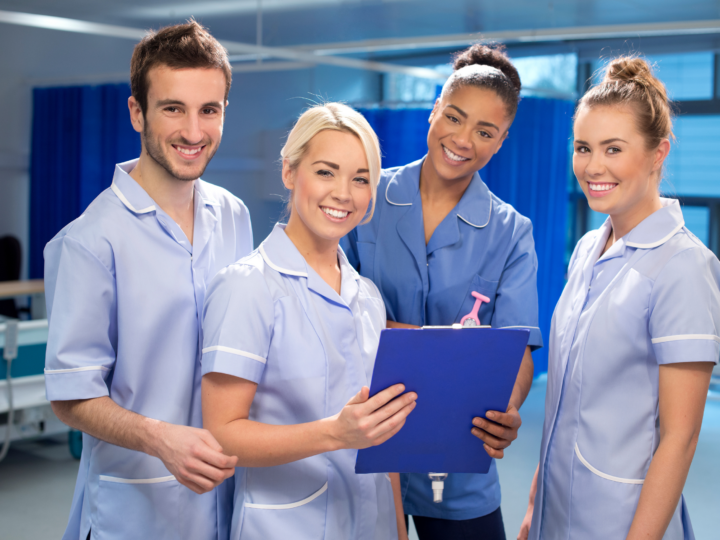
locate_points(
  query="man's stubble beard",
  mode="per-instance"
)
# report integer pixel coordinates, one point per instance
(155, 153)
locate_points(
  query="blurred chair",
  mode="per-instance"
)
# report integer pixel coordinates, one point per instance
(10, 260)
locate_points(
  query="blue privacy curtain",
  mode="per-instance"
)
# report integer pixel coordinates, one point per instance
(78, 135)
(530, 172)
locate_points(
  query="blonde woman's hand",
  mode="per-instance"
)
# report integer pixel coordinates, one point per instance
(369, 421)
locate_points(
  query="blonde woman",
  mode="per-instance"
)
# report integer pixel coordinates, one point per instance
(290, 336)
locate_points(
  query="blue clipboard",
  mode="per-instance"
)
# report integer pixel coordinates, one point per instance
(458, 374)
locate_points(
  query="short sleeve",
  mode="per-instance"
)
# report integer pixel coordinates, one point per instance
(238, 320)
(685, 309)
(81, 301)
(516, 302)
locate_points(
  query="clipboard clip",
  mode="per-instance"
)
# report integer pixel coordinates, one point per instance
(472, 319)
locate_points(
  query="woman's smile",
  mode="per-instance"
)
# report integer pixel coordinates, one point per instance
(452, 158)
(334, 214)
(598, 189)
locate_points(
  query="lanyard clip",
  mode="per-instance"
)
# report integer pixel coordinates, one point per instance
(472, 319)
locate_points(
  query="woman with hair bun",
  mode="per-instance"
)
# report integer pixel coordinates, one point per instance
(437, 236)
(634, 337)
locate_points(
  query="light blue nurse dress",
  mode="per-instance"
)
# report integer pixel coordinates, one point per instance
(271, 319)
(482, 245)
(125, 291)
(652, 299)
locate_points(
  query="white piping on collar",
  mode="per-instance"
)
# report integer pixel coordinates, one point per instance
(388, 200)
(261, 249)
(659, 242)
(458, 215)
(479, 226)
(272, 265)
(122, 198)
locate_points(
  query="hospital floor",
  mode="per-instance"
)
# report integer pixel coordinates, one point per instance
(37, 479)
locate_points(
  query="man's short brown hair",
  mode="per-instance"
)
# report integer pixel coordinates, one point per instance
(181, 46)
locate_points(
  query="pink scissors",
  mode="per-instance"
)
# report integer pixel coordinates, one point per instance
(472, 319)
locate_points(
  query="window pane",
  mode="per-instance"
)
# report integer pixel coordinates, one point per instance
(692, 167)
(686, 76)
(551, 74)
(398, 87)
(697, 219)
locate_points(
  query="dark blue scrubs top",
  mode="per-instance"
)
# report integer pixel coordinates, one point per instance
(482, 245)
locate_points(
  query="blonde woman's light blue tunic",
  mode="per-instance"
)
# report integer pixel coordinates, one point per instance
(271, 319)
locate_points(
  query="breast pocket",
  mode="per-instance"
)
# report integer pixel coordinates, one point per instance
(137, 508)
(485, 287)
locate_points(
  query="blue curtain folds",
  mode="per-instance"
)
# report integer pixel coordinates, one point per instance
(78, 135)
(402, 134)
(530, 172)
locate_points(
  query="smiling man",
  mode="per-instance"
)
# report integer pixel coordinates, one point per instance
(125, 286)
